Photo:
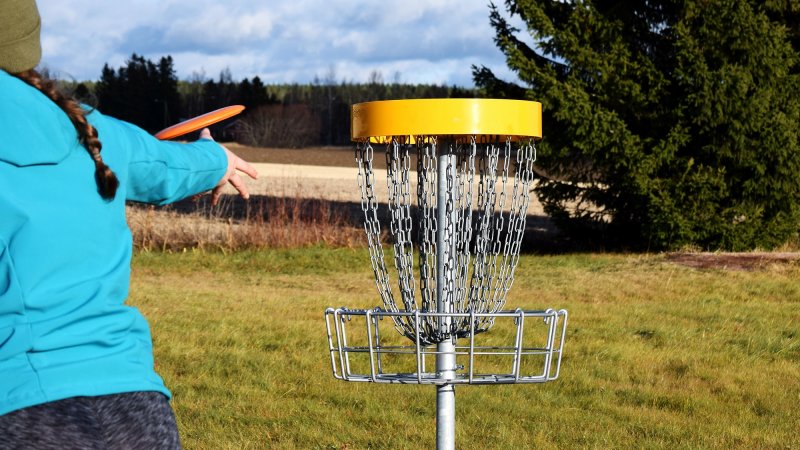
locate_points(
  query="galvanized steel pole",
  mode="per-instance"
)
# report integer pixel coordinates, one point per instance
(446, 246)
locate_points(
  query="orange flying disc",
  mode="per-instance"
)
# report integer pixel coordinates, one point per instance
(199, 122)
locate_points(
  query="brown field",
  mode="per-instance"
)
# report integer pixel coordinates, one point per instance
(309, 156)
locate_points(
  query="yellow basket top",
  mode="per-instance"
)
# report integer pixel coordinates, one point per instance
(446, 117)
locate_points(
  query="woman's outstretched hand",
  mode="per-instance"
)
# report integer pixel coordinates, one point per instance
(235, 164)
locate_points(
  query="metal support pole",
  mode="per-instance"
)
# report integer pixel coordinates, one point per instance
(446, 217)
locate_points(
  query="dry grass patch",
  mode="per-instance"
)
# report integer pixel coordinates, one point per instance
(264, 222)
(735, 261)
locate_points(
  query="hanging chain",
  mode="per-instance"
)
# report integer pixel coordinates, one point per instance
(426, 201)
(369, 206)
(397, 180)
(464, 198)
(516, 221)
(484, 265)
(427, 179)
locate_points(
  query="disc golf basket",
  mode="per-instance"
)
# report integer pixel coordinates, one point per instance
(463, 216)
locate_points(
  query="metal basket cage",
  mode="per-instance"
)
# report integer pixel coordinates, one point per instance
(525, 347)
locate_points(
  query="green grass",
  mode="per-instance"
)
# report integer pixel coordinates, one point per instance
(657, 356)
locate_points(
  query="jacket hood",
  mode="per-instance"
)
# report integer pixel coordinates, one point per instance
(34, 129)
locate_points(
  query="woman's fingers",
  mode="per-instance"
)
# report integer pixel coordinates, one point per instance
(216, 194)
(245, 167)
(231, 176)
(236, 181)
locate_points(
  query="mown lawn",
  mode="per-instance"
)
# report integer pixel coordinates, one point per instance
(657, 356)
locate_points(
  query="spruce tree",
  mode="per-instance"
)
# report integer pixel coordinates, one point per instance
(667, 123)
(141, 92)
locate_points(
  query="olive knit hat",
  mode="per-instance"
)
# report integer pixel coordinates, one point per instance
(20, 49)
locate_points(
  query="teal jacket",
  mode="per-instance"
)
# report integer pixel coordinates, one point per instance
(65, 253)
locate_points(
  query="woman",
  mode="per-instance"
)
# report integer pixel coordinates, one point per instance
(76, 363)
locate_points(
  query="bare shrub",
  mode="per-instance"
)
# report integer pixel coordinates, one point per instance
(291, 126)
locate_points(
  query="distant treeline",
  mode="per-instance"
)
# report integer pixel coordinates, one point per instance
(149, 94)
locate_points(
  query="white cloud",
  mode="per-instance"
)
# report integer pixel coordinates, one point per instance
(427, 41)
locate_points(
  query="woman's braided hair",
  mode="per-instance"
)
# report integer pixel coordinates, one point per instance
(107, 182)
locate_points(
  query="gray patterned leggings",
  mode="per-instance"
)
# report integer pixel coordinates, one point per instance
(136, 420)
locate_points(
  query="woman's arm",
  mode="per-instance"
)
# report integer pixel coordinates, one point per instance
(162, 172)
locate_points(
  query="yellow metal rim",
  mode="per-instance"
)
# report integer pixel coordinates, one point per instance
(382, 120)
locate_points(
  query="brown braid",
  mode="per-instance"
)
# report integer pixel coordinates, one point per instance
(107, 182)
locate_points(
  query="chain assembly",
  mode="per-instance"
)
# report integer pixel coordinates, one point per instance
(486, 185)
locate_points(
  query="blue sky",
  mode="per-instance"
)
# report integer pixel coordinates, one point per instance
(281, 41)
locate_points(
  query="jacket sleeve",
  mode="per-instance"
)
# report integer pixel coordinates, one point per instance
(162, 172)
